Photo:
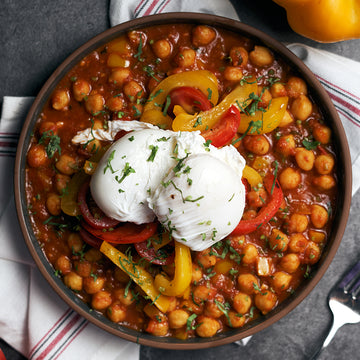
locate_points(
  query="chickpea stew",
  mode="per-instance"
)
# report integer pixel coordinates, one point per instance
(237, 94)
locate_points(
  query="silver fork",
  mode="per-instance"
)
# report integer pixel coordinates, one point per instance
(344, 302)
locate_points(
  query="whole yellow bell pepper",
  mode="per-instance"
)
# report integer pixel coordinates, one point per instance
(207, 119)
(203, 80)
(266, 121)
(183, 273)
(324, 20)
(138, 274)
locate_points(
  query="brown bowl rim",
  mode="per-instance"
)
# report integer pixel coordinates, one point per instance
(340, 219)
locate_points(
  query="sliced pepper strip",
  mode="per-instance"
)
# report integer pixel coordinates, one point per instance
(252, 176)
(207, 119)
(183, 273)
(138, 274)
(267, 212)
(126, 233)
(203, 80)
(270, 118)
(226, 128)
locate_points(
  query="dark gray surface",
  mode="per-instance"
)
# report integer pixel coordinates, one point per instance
(37, 35)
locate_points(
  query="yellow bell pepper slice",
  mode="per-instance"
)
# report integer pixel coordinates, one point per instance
(207, 119)
(252, 176)
(183, 273)
(203, 80)
(69, 201)
(270, 118)
(138, 274)
(325, 20)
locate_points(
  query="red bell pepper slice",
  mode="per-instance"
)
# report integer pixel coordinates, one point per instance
(101, 221)
(126, 233)
(225, 129)
(90, 239)
(267, 212)
(190, 99)
(160, 257)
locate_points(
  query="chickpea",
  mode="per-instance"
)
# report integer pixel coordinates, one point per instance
(157, 328)
(256, 198)
(93, 285)
(265, 97)
(66, 164)
(186, 58)
(265, 301)
(94, 103)
(61, 182)
(249, 214)
(196, 273)
(207, 326)
(312, 253)
(60, 99)
(324, 182)
(286, 120)
(290, 263)
(177, 318)
(280, 281)
(162, 48)
(247, 283)
(324, 164)
(239, 56)
(190, 306)
(120, 76)
(242, 303)
(289, 179)
(48, 127)
(261, 56)
(116, 312)
(115, 103)
(235, 320)
(319, 216)
(82, 268)
(75, 242)
(37, 156)
(125, 299)
(278, 90)
(304, 158)
(93, 255)
(295, 87)
(205, 259)
(212, 310)
(301, 107)
(233, 73)
(81, 88)
(322, 134)
(153, 82)
(278, 241)
(133, 90)
(137, 110)
(286, 145)
(297, 243)
(93, 146)
(135, 36)
(250, 254)
(73, 281)
(63, 264)
(203, 292)
(203, 35)
(257, 144)
(53, 204)
(317, 236)
(101, 300)
(298, 223)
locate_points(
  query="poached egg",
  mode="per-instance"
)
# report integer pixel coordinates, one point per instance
(193, 188)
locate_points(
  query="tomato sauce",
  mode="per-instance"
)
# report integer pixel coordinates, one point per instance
(239, 278)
